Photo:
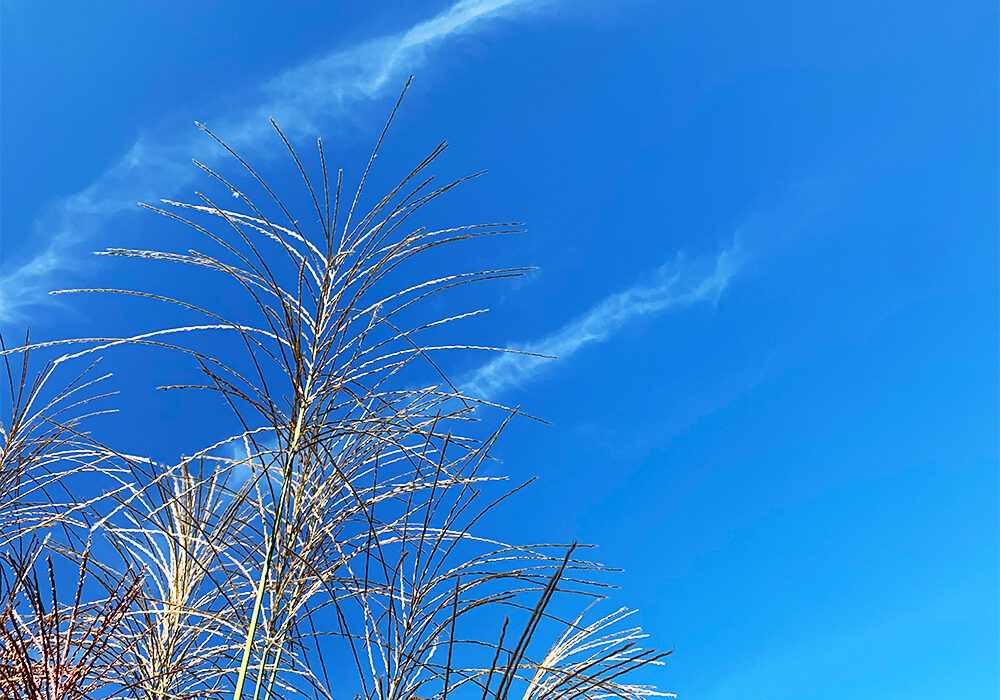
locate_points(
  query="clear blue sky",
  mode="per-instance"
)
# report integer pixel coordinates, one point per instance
(792, 450)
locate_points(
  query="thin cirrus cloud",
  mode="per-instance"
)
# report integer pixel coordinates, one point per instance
(305, 97)
(680, 283)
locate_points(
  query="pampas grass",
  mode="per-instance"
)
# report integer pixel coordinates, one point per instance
(329, 547)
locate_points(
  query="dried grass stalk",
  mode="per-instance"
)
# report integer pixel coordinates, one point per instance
(337, 526)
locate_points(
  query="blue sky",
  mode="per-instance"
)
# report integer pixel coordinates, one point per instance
(767, 245)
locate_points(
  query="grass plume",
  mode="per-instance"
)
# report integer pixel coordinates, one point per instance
(330, 546)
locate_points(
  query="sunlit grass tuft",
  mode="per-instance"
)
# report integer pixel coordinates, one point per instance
(329, 547)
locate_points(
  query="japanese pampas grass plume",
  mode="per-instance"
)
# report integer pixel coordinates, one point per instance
(328, 548)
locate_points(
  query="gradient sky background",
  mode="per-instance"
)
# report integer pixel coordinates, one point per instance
(791, 449)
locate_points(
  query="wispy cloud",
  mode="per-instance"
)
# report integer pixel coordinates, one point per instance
(305, 98)
(680, 283)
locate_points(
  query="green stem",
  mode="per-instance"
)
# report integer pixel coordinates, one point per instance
(260, 673)
(269, 554)
(274, 671)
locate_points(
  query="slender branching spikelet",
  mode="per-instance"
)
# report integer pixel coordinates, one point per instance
(42, 446)
(329, 546)
(51, 650)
